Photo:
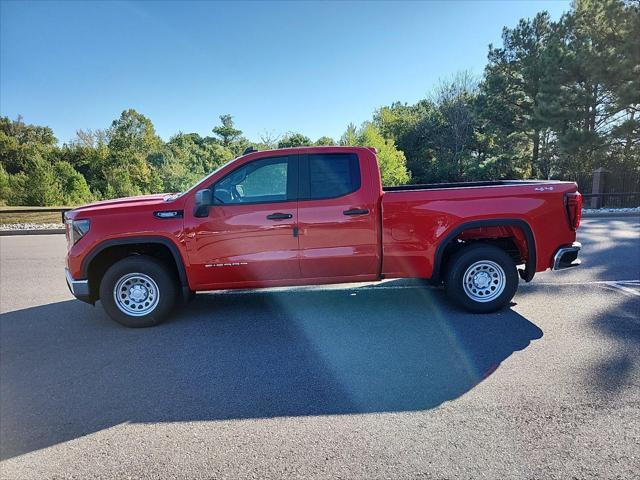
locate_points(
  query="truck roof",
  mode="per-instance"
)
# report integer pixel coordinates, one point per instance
(309, 149)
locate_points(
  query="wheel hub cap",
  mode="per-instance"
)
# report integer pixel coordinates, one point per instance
(481, 280)
(484, 281)
(136, 294)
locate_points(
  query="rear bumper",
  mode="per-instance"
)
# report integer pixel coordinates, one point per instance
(78, 288)
(567, 256)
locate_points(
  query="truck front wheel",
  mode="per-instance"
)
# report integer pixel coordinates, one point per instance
(481, 278)
(138, 291)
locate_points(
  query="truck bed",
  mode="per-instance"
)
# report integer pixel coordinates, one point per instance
(418, 218)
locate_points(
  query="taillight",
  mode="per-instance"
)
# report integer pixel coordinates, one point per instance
(574, 208)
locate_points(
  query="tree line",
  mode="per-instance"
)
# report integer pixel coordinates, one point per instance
(557, 100)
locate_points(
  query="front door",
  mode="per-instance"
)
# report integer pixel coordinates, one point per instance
(249, 237)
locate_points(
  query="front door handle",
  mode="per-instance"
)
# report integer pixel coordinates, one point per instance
(279, 216)
(356, 211)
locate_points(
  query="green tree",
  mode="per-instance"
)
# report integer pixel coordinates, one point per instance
(26, 133)
(227, 133)
(293, 139)
(133, 133)
(392, 162)
(601, 86)
(75, 190)
(455, 136)
(438, 135)
(186, 158)
(132, 140)
(412, 128)
(18, 186)
(510, 92)
(325, 141)
(12, 157)
(89, 155)
(566, 94)
(398, 120)
(41, 187)
(5, 187)
(20, 141)
(350, 136)
(119, 183)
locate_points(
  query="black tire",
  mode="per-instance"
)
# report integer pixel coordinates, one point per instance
(189, 297)
(487, 298)
(149, 267)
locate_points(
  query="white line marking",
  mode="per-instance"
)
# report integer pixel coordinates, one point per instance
(595, 282)
(613, 283)
(621, 286)
(628, 290)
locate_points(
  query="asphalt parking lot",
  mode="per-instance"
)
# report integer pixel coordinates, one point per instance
(352, 381)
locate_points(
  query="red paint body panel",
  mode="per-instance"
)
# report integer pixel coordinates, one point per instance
(236, 246)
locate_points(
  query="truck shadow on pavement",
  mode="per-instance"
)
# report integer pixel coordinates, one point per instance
(616, 370)
(68, 371)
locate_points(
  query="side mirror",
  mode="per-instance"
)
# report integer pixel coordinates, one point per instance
(203, 200)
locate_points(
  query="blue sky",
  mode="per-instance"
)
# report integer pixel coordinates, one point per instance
(276, 67)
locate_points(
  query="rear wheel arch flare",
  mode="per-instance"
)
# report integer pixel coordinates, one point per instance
(530, 265)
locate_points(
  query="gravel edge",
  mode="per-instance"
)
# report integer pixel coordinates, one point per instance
(36, 231)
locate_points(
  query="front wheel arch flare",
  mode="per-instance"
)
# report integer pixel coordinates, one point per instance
(132, 242)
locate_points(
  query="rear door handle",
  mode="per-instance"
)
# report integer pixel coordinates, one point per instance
(279, 216)
(356, 211)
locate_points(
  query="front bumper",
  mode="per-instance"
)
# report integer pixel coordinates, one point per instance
(567, 256)
(78, 288)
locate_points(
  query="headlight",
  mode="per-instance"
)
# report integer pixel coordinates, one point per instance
(76, 229)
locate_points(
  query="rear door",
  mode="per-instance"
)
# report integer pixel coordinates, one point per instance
(336, 218)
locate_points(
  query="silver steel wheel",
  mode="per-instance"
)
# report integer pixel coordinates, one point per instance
(136, 294)
(484, 281)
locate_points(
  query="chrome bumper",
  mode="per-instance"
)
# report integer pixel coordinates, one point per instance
(78, 288)
(567, 257)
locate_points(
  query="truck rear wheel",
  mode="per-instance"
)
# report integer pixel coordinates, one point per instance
(138, 291)
(481, 278)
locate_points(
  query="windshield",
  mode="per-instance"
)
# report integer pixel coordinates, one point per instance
(174, 196)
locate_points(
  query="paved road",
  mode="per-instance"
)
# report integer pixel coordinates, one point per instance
(344, 382)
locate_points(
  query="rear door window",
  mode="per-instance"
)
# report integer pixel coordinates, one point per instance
(331, 175)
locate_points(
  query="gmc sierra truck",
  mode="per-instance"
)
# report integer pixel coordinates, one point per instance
(317, 215)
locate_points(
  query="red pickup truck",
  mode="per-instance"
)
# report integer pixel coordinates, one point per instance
(317, 215)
